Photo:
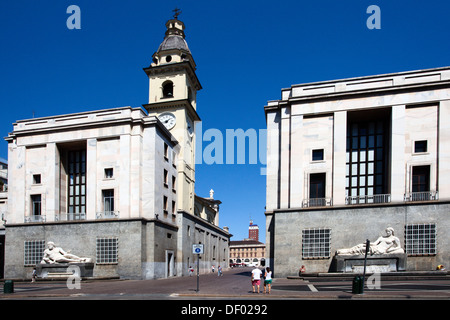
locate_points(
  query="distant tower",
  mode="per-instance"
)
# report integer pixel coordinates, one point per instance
(253, 231)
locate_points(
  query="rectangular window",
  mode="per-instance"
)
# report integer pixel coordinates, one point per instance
(317, 185)
(317, 189)
(165, 205)
(174, 159)
(109, 173)
(174, 184)
(421, 178)
(108, 201)
(77, 185)
(420, 239)
(36, 204)
(366, 156)
(166, 151)
(166, 178)
(36, 179)
(174, 207)
(107, 251)
(317, 155)
(33, 252)
(420, 146)
(316, 243)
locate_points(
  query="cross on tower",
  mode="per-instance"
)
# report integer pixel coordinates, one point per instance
(177, 13)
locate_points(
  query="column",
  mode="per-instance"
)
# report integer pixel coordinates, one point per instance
(285, 153)
(126, 207)
(53, 166)
(297, 151)
(398, 171)
(273, 156)
(339, 157)
(91, 179)
(16, 184)
(444, 150)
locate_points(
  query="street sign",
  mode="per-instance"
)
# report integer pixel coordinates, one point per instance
(197, 249)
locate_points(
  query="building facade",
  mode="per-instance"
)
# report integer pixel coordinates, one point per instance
(247, 252)
(253, 231)
(348, 158)
(115, 185)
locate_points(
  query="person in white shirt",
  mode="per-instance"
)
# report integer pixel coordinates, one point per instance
(256, 279)
(267, 279)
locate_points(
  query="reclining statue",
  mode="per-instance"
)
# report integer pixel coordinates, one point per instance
(54, 254)
(388, 244)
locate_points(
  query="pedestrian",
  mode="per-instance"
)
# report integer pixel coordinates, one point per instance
(212, 269)
(302, 270)
(256, 279)
(33, 275)
(191, 271)
(267, 280)
(219, 271)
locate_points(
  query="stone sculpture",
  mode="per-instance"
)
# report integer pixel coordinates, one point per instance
(54, 255)
(388, 244)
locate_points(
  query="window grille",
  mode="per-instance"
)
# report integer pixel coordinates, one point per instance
(34, 251)
(316, 243)
(420, 239)
(365, 161)
(77, 185)
(107, 250)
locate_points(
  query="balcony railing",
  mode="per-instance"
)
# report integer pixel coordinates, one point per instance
(372, 199)
(317, 202)
(70, 216)
(107, 215)
(34, 218)
(421, 196)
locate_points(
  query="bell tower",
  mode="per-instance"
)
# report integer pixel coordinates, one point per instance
(173, 86)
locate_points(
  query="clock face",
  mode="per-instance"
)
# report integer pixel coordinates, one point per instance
(168, 119)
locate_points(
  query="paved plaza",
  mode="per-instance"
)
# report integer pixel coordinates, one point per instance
(235, 284)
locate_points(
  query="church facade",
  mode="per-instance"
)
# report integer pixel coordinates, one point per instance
(349, 158)
(116, 185)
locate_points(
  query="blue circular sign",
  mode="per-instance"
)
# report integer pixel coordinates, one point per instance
(197, 250)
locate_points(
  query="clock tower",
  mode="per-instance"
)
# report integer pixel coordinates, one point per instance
(173, 87)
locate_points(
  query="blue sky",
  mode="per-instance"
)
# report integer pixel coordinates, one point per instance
(246, 52)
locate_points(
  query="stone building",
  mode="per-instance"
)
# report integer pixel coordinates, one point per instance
(116, 185)
(247, 251)
(348, 158)
(3, 209)
(250, 250)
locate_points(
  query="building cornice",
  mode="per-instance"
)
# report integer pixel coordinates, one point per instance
(352, 88)
(171, 104)
(86, 120)
(175, 67)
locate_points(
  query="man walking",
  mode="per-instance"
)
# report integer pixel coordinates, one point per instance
(256, 279)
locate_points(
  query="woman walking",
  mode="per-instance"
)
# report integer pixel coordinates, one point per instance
(267, 279)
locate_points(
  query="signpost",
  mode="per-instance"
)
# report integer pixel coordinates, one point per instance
(365, 262)
(198, 250)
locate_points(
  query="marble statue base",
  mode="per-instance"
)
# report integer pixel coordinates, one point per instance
(375, 263)
(61, 270)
